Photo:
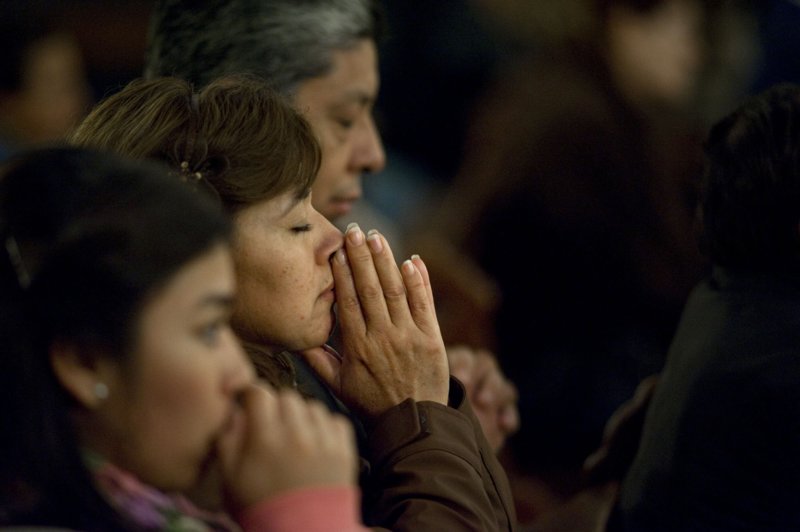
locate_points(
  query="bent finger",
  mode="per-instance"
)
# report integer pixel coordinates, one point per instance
(420, 301)
(348, 306)
(394, 290)
(365, 277)
(426, 278)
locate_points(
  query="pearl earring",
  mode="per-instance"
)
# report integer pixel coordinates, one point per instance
(100, 390)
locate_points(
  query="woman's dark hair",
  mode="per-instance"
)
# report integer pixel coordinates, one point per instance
(236, 135)
(751, 197)
(87, 238)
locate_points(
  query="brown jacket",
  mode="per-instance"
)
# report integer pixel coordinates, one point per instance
(426, 466)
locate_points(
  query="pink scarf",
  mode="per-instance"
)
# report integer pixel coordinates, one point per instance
(149, 508)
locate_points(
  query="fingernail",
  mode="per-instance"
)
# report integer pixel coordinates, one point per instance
(415, 257)
(341, 258)
(355, 234)
(408, 267)
(375, 241)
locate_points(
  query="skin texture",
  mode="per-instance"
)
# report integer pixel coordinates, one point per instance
(282, 249)
(339, 108)
(178, 392)
(393, 349)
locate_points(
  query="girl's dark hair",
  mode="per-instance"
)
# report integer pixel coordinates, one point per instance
(87, 238)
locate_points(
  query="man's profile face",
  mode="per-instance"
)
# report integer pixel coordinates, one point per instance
(338, 105)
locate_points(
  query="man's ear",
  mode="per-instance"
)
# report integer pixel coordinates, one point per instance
(84, 377)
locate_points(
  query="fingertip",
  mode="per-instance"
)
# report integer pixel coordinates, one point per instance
(375, 241)
(353, 234)
(409, 268)
(340, 257)
(423, 270)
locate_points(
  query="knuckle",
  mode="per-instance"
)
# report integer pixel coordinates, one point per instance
(394, 292)
(370, 292)
(361, 258)
(419, 305)
(348, 303)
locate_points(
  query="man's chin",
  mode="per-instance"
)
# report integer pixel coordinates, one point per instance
(337, 208)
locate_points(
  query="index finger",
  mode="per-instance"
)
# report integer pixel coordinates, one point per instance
(365, 277)
(348, 307)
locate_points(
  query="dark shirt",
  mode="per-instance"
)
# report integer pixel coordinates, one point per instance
(720, 444)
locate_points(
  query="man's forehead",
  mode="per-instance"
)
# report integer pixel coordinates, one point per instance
(353, 77)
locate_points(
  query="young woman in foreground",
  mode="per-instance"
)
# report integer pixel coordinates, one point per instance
(123, 383)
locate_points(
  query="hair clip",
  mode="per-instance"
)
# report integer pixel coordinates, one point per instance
(185, 172)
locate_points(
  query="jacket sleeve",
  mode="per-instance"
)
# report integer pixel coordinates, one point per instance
(431, 468)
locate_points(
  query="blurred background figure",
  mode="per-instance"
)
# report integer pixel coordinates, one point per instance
(583, 155)
(586, 151)
(719, 445)
(43, 85)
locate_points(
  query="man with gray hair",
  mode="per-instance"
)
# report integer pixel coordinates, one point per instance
(320, 54)
(430, 472)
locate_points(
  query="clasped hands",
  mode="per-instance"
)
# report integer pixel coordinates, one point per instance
(392, 348)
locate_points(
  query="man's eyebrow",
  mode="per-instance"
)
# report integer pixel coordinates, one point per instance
(358, 96)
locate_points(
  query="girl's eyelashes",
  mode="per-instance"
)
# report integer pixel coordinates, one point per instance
(210, 333)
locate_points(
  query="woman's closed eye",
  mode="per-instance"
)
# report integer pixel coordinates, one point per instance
(303, 228)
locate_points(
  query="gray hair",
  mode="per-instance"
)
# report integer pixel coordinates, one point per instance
(285, 42)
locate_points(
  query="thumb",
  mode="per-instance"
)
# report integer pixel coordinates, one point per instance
(326, 362)
(231, 441)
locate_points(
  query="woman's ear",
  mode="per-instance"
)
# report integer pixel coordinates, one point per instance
(84, 377)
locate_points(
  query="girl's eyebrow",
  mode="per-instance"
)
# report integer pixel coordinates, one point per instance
(224, 300)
